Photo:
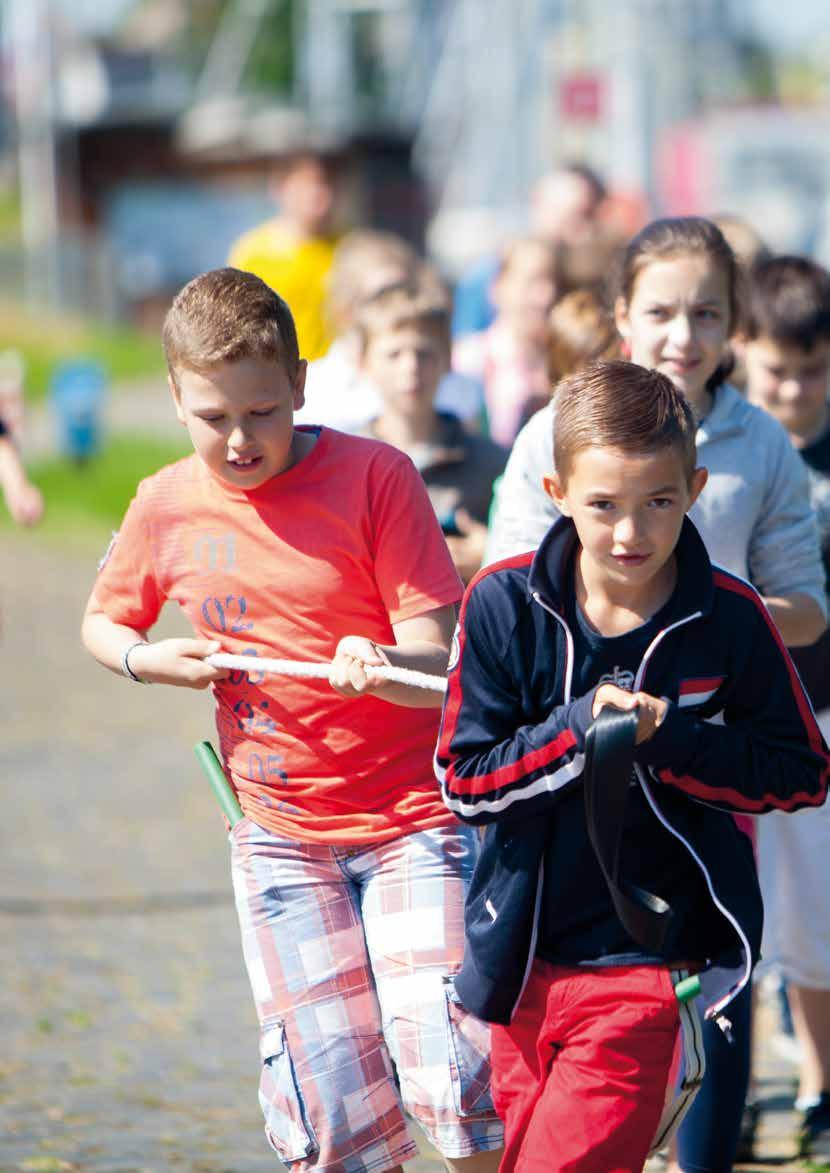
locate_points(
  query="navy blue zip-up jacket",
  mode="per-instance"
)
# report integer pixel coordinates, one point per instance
(739, 736)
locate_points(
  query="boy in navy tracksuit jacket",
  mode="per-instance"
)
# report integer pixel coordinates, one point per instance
(620, 605)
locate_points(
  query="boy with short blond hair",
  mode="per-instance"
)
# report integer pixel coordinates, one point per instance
(619, 606)
(786, 353)
(404, 336)
(349, 873)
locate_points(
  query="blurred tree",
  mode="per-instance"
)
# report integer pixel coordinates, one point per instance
(270, 68)
(368, 59)
(757, 69)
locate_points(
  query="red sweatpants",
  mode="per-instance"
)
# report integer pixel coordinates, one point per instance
(580, 1075)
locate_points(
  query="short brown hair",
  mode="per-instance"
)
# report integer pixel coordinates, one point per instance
(625, 406)
(226, 315)
(789, 302)
(358, 253)
(513, 249)
(409, 303)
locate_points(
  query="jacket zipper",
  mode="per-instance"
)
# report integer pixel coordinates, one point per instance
(534, 935)
(715, 1010)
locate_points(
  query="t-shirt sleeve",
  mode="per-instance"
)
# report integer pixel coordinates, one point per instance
(126, 587)
(413, 568)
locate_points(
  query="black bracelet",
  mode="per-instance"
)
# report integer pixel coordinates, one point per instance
(125, 662)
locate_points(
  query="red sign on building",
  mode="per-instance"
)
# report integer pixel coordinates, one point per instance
(580, 97)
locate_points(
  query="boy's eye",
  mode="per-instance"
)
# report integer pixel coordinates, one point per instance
(212, 419)
(602, 505)
(263, 411)
(662, 502)
(708, 314)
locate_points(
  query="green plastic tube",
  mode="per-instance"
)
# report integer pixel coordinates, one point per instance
(688, 988)
(216, 776)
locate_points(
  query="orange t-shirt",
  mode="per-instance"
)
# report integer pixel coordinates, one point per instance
(344, 542)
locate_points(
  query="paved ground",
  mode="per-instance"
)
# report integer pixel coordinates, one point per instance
(128, 1034)
(128, 1031)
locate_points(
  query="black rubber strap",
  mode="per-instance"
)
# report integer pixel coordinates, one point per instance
(609, 761)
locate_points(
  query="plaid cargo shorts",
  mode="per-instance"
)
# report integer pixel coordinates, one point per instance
(350, 954)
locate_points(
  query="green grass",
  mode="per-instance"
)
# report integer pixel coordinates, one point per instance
(45, 342)
(9, 217)
(85, 503)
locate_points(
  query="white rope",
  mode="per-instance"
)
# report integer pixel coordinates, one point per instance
(321, 671)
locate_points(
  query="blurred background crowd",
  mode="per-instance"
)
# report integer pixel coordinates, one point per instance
(142, 142)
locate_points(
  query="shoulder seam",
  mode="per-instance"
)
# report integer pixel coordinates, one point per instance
(514, 562)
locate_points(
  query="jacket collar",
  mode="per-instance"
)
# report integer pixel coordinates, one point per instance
(549, 575)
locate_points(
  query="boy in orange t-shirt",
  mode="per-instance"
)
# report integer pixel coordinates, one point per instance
(350, 876)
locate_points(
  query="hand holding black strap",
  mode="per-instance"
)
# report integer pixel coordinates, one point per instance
(609, 761)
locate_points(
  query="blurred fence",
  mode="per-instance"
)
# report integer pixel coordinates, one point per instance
(82, 269)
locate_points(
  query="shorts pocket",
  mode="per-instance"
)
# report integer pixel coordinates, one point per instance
(286, 1126)
(469, 1042)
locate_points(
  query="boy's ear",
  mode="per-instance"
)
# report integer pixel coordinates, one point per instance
(298, 387)
(177, 398)
(552, 484)
(699, 478)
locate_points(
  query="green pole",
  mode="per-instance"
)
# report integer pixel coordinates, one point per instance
(216, 776)
(688, 988)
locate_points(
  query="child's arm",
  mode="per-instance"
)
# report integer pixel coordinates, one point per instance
(495, 760)
(798, 617)
(168, 661)
(784, 551)
(769, 753)
(23, 499)
(422, 644)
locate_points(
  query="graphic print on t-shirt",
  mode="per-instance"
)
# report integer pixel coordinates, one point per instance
(285, 572)
(622, 677)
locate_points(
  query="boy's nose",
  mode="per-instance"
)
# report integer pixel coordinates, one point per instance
(238, 437)
(625, 530)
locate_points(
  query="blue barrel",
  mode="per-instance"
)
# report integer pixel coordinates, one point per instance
(77, 393)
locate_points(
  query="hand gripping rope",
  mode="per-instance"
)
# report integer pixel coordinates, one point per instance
(205, 752)
(321, 671)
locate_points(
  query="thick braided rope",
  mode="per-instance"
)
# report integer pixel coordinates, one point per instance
(321, 671)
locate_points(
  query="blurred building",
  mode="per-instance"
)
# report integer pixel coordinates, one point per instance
(142, 142)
